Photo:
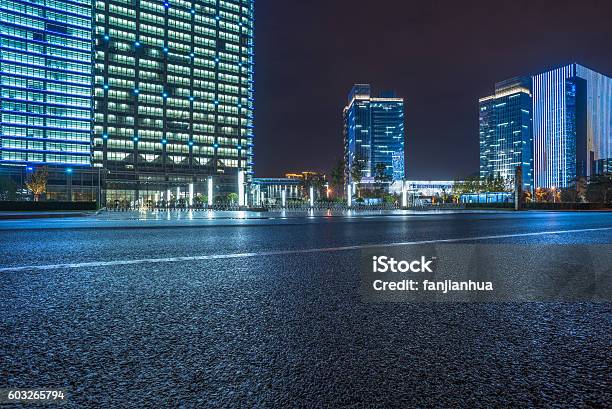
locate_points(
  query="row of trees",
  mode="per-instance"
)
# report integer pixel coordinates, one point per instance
(358, 165)
(595, 189)
(36, 183)
(474, 184)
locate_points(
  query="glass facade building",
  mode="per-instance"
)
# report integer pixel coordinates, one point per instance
(374, 132)
(46, 80)
(506, 131)
(572, 124)
(173, 96)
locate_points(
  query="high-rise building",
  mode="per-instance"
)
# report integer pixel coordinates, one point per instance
(46, 86)
(173, 96)
(374, 132)
(572, 124)
(505, 131)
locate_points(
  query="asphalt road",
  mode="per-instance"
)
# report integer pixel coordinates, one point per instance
(267, 313)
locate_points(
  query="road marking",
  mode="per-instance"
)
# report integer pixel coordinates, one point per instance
(282, 252)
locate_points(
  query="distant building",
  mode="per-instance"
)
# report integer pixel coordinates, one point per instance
(270, 190)
(572, 124)
(374, 133)
(307, 176)
(603, 166)
(423, 188)
(505, 131)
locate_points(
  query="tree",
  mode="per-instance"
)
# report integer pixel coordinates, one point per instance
(540, 194)
(581, 189)
(569, 194)
(527, 197)
(471, 184)
(501, 184)
(544, 195)
(357, 168)
(37, 182)
(337, 176)
(391, 199)
(380, 175)
(232, 197)
(8, 188)
(599, 189)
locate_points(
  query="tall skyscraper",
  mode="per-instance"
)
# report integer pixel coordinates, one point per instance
(572, 124)
(374, 132)
(505, 131)
(46, 83)
(173, 95)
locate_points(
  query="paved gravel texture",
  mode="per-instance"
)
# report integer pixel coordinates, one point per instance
(287, 330)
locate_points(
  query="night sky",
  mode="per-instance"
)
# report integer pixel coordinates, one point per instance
(440, 56)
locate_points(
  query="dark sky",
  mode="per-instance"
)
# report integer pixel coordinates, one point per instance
(441, 56)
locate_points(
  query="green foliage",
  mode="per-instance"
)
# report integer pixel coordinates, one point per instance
(337, 177)
(232, 197)
(474, 184)
(390, 199)
(357, 167)
(599, 189)
(380, 173)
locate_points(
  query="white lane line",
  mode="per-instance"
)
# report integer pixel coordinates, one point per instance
(283, 252)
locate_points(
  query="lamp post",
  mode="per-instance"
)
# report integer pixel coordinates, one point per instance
(311, 196)
(69, 183)
(241, 188)
(210, 191)
(349, 195)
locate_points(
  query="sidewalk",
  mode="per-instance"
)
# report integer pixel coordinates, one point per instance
(44, 215)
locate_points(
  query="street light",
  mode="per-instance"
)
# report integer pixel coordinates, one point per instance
(241, 188)
(349, 195)
(311, 196)
(210, 191)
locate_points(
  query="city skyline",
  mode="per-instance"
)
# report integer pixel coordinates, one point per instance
(135, 144)
(424, 53)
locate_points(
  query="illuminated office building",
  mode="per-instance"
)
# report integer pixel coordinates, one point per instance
(505, 131)
(46, 90)
(572, 124)
(173, 96)
(374, 132)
